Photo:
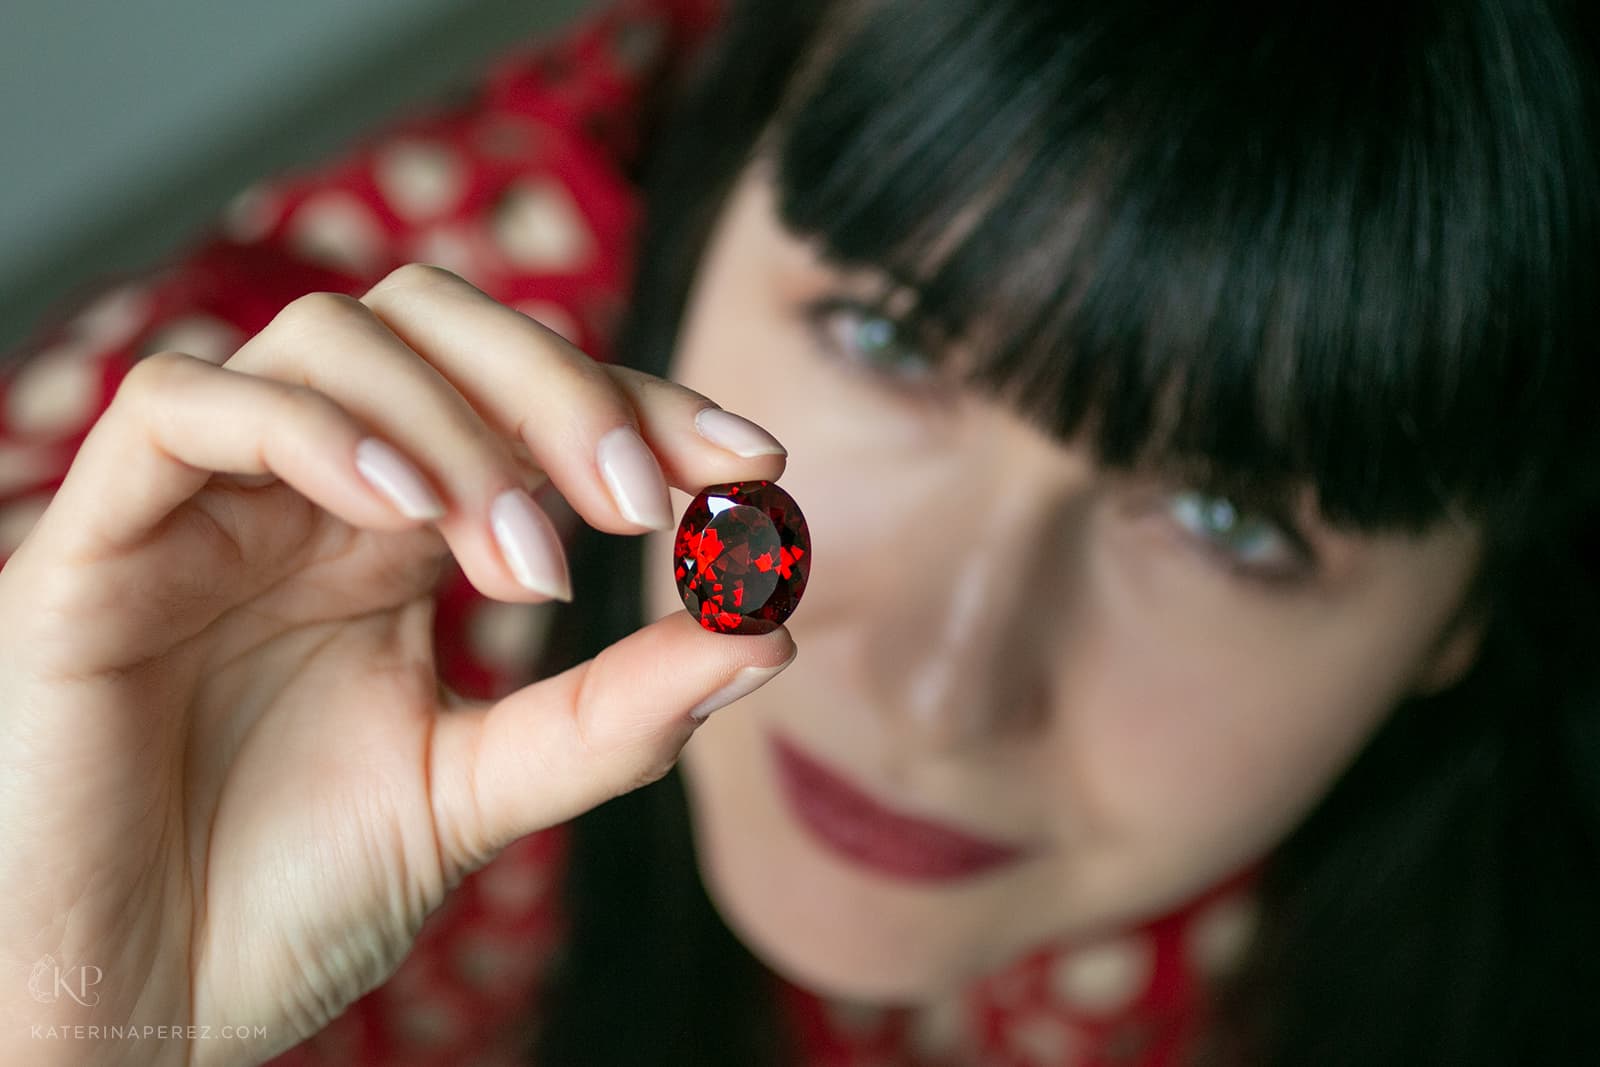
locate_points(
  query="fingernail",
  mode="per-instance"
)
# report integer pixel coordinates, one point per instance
(530, 545)
(634, 478)
(736, 434)
(391, 474)
(744, 683)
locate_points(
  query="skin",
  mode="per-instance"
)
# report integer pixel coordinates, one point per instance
(1141, 716)
(232, 782)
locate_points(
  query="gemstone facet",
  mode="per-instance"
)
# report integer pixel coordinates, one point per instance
(742, 557)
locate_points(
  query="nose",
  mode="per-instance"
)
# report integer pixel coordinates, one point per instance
(984, 631)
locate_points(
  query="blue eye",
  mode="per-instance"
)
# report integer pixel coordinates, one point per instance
(1248, 543)
(867, 339)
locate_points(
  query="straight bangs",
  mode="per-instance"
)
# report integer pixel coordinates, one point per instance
(1273, 247)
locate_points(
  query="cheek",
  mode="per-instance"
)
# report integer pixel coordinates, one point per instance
(1209, 747)
(1202, 722)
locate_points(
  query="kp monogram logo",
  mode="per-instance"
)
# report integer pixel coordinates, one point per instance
(49, 982)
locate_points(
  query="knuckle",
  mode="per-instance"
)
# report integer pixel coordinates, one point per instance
(416, 276)
(154, 374)
(319, 310)
(650, 388)
(304, 404)
(571, 368)
(589, 398)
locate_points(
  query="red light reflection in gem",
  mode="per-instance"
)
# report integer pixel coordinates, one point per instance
(742, 557)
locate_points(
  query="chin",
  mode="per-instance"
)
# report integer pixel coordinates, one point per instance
(851, 957)
(815, 921)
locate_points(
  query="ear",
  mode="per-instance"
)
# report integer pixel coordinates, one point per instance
(1453, 653)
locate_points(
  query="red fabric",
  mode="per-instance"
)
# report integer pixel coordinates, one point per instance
(525, 192)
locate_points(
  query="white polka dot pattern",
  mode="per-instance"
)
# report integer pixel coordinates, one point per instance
(252, 213)
(539, 228)
(1219, 935)
(457, 246)
(1104, 977)
(512, 886)
(421, 180)
(337, 230)
(1048, 1039)
(942, 1030)
(202, 336)
(431, 1023)
(112, 318)
(55, 391)
(482, 961)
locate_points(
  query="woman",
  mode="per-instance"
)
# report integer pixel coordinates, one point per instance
(1188, 406)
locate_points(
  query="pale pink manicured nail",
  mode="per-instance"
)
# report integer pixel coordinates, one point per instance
(736, 434)
(530, 545)
(634, 478)
(744, 683)
(391, 474)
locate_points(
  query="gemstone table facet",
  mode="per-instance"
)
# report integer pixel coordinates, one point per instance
(741, 557)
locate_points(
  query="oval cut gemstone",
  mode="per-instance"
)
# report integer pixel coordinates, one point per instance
(742, 557)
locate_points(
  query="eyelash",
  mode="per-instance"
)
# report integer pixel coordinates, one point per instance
(818, 315)
(921, 385)
(1302, 559)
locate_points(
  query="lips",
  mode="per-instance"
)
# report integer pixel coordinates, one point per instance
(851, 823)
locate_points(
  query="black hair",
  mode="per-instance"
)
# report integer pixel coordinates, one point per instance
(1278, 246)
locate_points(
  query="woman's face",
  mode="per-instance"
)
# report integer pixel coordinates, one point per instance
(1062, 700)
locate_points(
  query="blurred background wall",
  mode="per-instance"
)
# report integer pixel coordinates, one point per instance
(126, 125)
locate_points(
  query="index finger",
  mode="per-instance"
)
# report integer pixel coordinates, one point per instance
(532, 385)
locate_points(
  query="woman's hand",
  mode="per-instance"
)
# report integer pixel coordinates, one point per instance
(231, 781)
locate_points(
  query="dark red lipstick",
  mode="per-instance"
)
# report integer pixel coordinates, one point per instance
(853, 824)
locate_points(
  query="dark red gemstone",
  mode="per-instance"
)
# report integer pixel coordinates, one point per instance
(742, 557)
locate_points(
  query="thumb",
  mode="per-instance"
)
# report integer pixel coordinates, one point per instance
(556, 748)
